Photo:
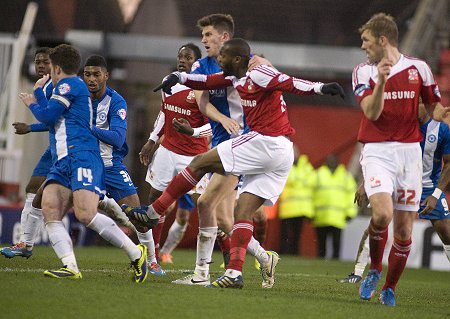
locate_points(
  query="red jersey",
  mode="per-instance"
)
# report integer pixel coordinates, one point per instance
(408, 80)
(261, 96)
(181, 104)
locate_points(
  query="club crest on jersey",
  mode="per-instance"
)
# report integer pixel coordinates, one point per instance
(191, 97)
(64, 88)
(122, 114)
(374, 182)
(250, 86)
(101, 116)
(431, 138)
(413, 76)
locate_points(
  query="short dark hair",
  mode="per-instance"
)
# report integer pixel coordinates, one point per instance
(194, 48)
(43, 50)
(67, 57)
(382, 24)
(220, 22)
(96, 60)
(238, 47)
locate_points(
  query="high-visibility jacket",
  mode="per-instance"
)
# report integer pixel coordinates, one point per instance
(333, 197)
(296, 200)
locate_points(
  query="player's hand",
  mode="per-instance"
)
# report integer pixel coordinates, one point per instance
(230, 125)
(257, 60)
(384, 69)
(167, 84)
(361, 197)
(430, 204)
(333, 89)
(21, 128)
(27, 98)
(146, 153)
(41, 82)
(182, 125)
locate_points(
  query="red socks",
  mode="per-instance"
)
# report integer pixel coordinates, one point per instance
(157, 235)
(180, 184)
(377, 241)
(397, 261)
(242, 233)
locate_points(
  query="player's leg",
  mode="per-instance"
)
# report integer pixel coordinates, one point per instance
(336, 236)
(242, 233)
(179, 226)
(260, 222)
(442, 228)
(31, 219)
(362, 258)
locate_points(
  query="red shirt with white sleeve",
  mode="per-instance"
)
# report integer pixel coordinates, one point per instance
(408, 80)
(261, 96)
(181, 104)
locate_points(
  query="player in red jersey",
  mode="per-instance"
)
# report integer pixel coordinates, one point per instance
(264, 155)
(388, 88)
(176, 150)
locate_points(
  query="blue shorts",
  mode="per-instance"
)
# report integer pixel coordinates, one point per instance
(118, 182)
(441, 209)
(80, 170)
(44, 165)
(186, 202)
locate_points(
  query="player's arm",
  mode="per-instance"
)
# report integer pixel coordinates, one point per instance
(183, 126)
(150, 147)
(49, 111)
(271, 79)
(439, 112)
(194, 81)
(373, 104)
(210, 111)
(24, 128)
(431, 201)
(116, 134)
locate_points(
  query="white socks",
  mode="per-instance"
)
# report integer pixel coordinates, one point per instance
(176, 233)
(147, 240)
(25, 212)
(32, 225)
(255, 249)
(206, 239)
(113, 210)
(363, 256)
(447, 251)
(108, 229)
(62, 244)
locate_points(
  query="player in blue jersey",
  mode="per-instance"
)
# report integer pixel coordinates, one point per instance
(225, 113)
(31, 219)
(78, 172)
(436, 177)
(110, 112)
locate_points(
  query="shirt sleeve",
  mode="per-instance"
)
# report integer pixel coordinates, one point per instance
(158, 127)
(205, 82)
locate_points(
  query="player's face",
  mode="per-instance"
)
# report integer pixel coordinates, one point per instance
(95, 78)
(213, 40)
(225, 61)
(185, 59)
(42, 64)
(371, 45)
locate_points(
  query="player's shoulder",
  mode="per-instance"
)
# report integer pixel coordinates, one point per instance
(262, 74)
(115, 96)
(200, 65)
(70, 86)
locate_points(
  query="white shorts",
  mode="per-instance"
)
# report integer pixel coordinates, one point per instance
(394, 168)
(166, 165)
(265, 162)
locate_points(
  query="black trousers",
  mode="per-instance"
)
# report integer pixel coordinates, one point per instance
(322, 235)
(291, 229)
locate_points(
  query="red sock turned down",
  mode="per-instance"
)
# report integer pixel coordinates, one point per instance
(378, 236)
(157, 235)
(242, 233)
(397, 261)
(223, 241)
(180, 184)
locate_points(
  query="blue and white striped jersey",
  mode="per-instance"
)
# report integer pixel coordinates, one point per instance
(226, 101)
(435, 144)
(72, 130)
(111, 110)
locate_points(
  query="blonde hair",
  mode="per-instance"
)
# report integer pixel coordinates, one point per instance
(381, 24)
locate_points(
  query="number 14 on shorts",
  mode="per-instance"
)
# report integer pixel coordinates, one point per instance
(84, 175)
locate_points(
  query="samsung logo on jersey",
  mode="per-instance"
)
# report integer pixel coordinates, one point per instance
(217, 93)
(249, 103)
(399, 95)
(177, 109)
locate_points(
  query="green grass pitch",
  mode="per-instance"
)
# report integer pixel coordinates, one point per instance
(304, 288)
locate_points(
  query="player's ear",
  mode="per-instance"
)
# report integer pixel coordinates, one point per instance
(226, 36)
